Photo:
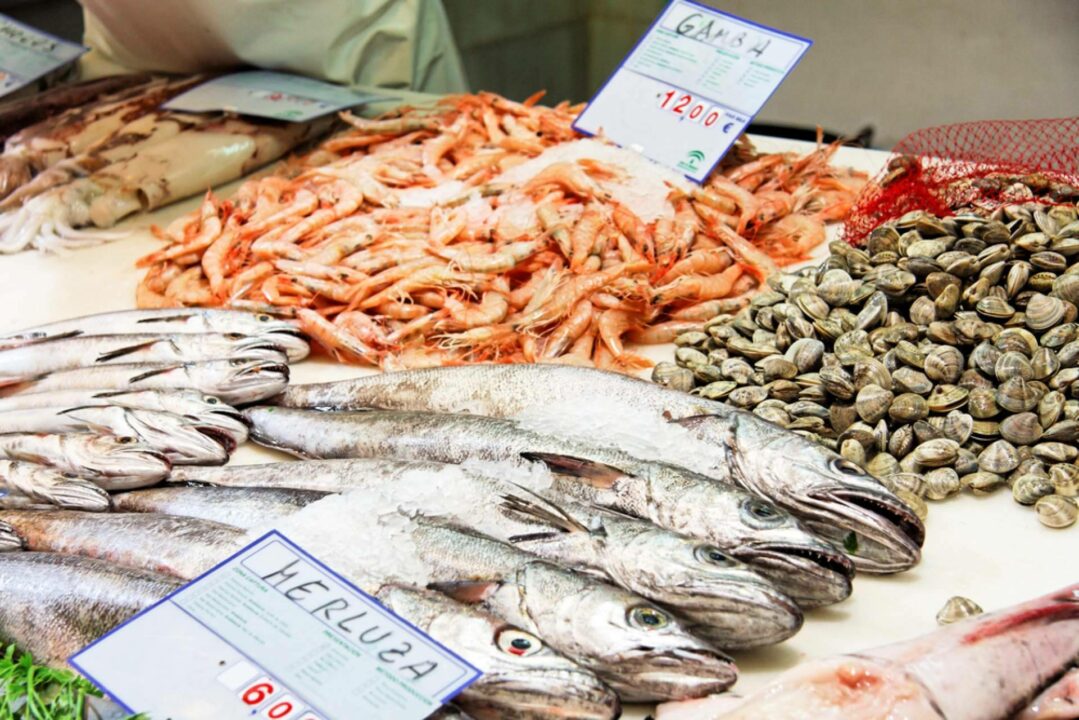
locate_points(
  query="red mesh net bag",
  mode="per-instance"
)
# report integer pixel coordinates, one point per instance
(972, 165)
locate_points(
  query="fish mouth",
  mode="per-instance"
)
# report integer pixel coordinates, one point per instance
(258, 368)
(812, 576)
(539, 696)
(881, 533)
(221, 437)
(650, 675)
(9, 539)
(753, 616)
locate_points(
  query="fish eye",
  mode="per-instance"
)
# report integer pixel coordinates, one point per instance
(264, 318)
(762, 513)
(235, 336)
(517, 642)
(236, 362)
(846, 467)
(210, 400)
(713, 556)
(648, 618)
(125, 440)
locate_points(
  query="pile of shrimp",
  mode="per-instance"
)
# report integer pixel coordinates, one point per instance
(441, 236)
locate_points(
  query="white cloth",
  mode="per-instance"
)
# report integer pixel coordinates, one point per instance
(403, 44)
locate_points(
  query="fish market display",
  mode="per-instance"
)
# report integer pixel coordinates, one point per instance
(239, 507)
(112, 463)
(54, 605)
(97, 164)
(983, 668)
(833, 496)
(942, 357)
(25, 484)
(179, 546)
(483, 228)
(803, 566)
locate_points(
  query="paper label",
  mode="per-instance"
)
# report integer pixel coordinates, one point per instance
(273, 633)
(690, 87)
(279, 96)
(27, 54)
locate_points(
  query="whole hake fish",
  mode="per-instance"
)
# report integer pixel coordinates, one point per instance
(169, 321)
(234, 381)
(209, 413)
(112, 463)
(240, 507)
(522, 677)
(834, 496)
(93, 350)
(54, 605)
(183, 547)
(173, 436)
(802, 566)
(982, 668)
(25, 484)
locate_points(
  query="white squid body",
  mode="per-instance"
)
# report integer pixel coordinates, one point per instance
(172, 168)
(985, 668)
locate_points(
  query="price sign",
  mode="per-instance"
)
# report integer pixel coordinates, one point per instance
(27, 54)
(691, 85)
(272, 633)
(275, 95)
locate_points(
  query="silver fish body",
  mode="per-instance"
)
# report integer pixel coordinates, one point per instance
(182, 547)
(240, 507)
(522, 678)
(802, 566)
(54, 605)
(26, 484)
(168, 321)
(328, 476)
(112, 463)
(235, 381)
(638, 649)
(985, 667)
(173, 436)
(94, 350)
(836, 496)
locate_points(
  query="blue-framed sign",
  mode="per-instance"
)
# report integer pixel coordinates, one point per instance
(27, 54)
(691, 85)
(273, 633)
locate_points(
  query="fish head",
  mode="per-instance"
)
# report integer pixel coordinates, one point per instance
(172, 435)
(287, 338)
(248, 346)
(522, 677)
(240, 379)
(835, 497)
(221, 421)
(720, 596)
(117, 456)
(9, 539)
(643, 651)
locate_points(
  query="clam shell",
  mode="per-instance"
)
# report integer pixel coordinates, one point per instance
(805, 353)
(1018, 274)
(871, 372)
(717, 390)
(1066, 431)
(773, 415)
(1021, 429)
(1055, 452)
(985, 357)
(966, 462)
(689, 357)
(999, 457)
(915, 503)
(873, 402)
(1017, 395)
(957, 426)
(1017, 339)
(670, 375)
(982, 403)
(908, 407)
(923, 310)
(942, 483)
(944, 364)
(936, 453)
(1056, 511)
(853, 450)
(1065, 479)
(901, 441)
(882, 464)
(1066, 287)
(987, 430)
(1044, 363)
(784, 390)
(957, 608)
(947, 397)
(994, 307)
(983, 482)
(1043, 312)
(747, 397)
(1026, 489)
(777, 367)
(907, 379)
(837, 381)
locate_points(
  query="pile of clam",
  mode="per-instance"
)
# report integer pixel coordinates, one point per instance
(943, 356)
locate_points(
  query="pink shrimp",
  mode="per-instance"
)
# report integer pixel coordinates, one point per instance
(584, 234)
(337, 341)
(491, 310)
(635, 229)
(699, 287)
(701, 262)
(578, 321)
(664, 332)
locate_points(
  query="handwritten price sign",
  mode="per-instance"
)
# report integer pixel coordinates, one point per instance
(710, 73)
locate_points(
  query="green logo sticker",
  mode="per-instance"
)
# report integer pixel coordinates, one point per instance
(693, 159)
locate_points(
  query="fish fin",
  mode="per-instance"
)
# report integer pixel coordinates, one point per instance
(120, 352)
(543, 510)
(595, 474)
(151, 373)
(688, 421)
(466, 591)
(168, 318)
(110, 393)
(38, 339)
(533, 536)
(11, 381)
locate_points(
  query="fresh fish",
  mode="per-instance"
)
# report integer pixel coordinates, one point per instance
(169, 321)
(234, 381)
(23, 484)
(522, 678)
(174, 436)
(53, 605)
(802, 566)
(836, 497)
(328, 476)
(112, 463)
(986, 667)
(240, 507)
(1059, 701)
(92, 350)
(208, 413)
(183, 547)
(9, 541)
